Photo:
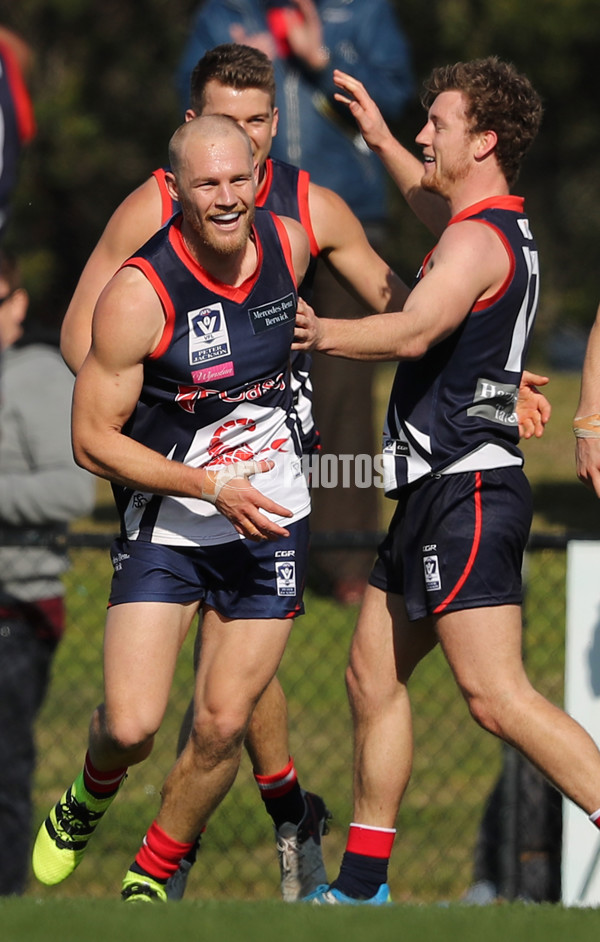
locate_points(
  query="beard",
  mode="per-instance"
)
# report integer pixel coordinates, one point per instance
(441, 182)
(223, 243)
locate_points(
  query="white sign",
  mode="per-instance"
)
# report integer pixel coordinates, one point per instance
(581, 840)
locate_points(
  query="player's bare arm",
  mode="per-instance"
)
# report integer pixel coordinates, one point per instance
(468, 264)
(346, 250)
(299, 245)
(134, 221)
(128, 324)
(405, 169)
(586, 424)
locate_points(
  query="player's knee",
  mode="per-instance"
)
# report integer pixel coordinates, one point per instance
(129, 736)
(366, 691)
(218, 735)
(487, 713)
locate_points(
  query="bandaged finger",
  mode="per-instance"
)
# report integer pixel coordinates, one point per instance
(216, 479)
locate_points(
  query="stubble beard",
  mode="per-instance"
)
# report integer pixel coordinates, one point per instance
(227, 244)
(442, 184)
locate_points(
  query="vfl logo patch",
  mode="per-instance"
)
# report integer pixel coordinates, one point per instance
(431, 570)
(208, 334)
(285, 571)
(273, 314)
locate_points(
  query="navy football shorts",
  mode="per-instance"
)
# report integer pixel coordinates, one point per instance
(240, 579)
(456, 542)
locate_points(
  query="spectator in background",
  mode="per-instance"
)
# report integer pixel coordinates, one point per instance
(41, 489)
(17, 123)
(531, 868)
(306, 40)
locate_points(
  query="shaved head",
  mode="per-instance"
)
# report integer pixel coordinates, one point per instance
(207, 132)
(213, 178)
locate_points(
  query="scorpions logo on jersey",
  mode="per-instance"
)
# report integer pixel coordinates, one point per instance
(223, 451)
(208, 334)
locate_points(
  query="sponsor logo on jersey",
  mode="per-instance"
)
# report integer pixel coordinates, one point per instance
(273, 314)
(495, 402)
(208, 334)
(219, 371)
(188, 396)
(393, 446)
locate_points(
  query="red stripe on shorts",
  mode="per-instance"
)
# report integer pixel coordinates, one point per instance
(474, 549)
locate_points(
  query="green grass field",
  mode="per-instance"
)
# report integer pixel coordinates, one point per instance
(93, 921)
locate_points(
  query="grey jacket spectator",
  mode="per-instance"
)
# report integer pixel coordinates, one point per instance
(41, 489)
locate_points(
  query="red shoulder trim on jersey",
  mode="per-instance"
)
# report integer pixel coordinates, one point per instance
(166, 203)
(236, 294)
(514, 203)
(285, 245)
(304, 206)
(474, 548)
(146, 268)
(265, 187)
(21, 97)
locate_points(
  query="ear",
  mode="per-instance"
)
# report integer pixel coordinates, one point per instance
(275, 123)
(486, 142)
(190, 115)
(256, 173)
(171, 183)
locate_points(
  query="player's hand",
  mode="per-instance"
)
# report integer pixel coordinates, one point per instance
(307, 333)
(533, 409)
(228, 488)
(587, 460)
(363, 109)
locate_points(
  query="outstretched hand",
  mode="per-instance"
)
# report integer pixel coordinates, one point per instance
(227, 486)
(533, 409)
(362, 108)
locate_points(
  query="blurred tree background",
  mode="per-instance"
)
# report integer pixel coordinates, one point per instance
(105, 103)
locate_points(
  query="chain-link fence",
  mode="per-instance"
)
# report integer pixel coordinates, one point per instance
(456, 763)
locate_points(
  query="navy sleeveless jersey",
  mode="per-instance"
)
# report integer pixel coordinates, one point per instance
(284, 191)
(17, 125)
(454, 409)
(217, 388)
